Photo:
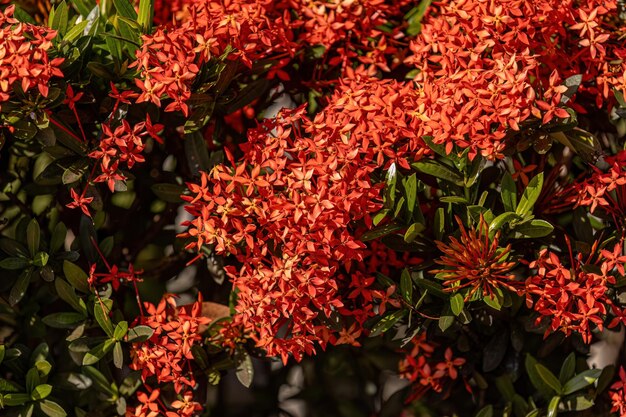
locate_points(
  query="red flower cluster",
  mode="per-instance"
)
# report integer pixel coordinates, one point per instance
(487, 67)
(285, 210)
(421, 367)
(618, 394)
(24, 56)
(476, 262)
(166, 355)
(574, 298)
(124, 144)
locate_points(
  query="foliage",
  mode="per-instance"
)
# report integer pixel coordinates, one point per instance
(444, 197)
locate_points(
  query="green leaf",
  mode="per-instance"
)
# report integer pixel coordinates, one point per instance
(553, 406)
(65, 320)
(457, 303)
(494, 300)
(380, 231)
(497, 223)
(97, 353)
(445, 322)
(432, 287)
(530, 196)
(19, 288)
(14, 263)
(197, 153)
(577, 403)
(146, 15)
(52, 409)
(439, 228)
(75, 171)
(101, 313)
(245, 370)
(100, 381)
(387, 322)
(118, 355)
(581, 381)
(125, 9)
(508, 191)
(410, 191)
(76, 31)
(60, 18)
(120, 330)
(406, 286)
(76, 276)
(572, 83)
(170, 193)
(139, 333)
(2, 352)
(438, 170)
(32, 379)
(534, 228)
(40, 259)
(15, 399)
(535, 378)
(605, 379)
(568, 368)
(33, 234)
(41, 391)
(413, 232)
(549, 378)
(486, 411)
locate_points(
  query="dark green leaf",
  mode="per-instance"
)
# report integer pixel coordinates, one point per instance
(530, 196)
(19, 288)
(572, 83)
(139, 333)
(75, 171)
(534, 228)
(439, 224)
(577, 403)
(170, 193)
(387, 322)
(101, 310)
(65, 320)
(495, 350)
(508, 191)
(101, 382)
(497, 223)
(15, 399)
(58, 237)
(52, 409)
(410, 191)
(60, 18)
(486, 411)
(605, 379)
(438, 170)
(406, 286)
(32, 379)
(76, 276)
(197, 153)
(14, 263)
(581, 381)
(33, 235)
(549, 378)
(67, 294)
(535, 378)
(380, 231)
(433, 288)
(568, 368)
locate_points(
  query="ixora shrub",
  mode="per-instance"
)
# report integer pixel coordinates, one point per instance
(443, 198)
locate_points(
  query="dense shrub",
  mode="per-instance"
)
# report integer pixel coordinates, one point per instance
(442, 195)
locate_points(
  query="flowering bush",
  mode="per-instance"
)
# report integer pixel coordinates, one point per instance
(433, 190)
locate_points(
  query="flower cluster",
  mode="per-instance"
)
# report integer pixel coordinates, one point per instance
(122, 145)
(574, 298)
(167, 353)
(421, 366)
(489, 67)
(476, 263)
(25, 61)
(618, 394)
